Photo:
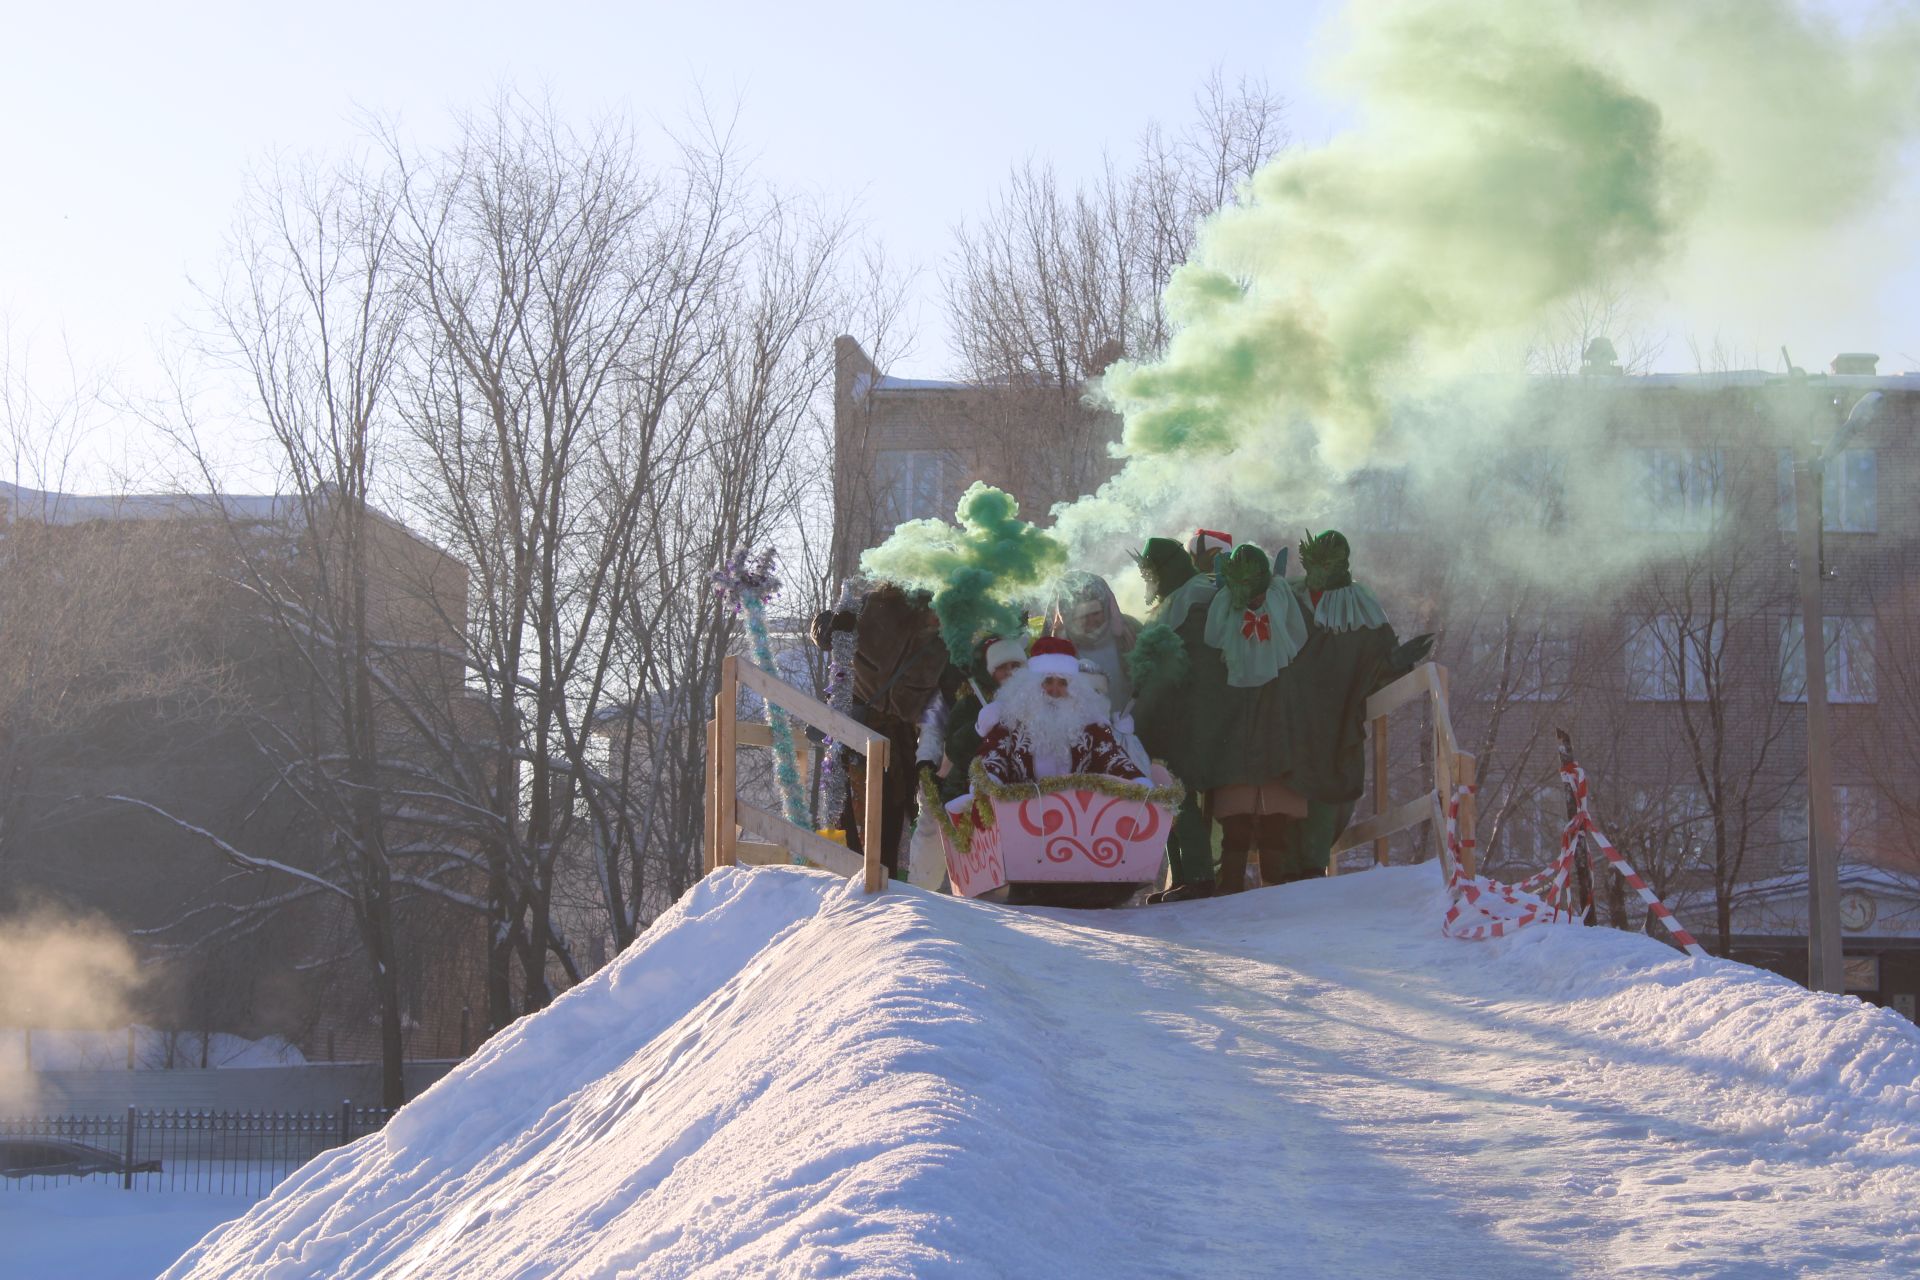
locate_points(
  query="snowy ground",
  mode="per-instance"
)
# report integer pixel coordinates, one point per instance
(786, 1078)
(91, 1232)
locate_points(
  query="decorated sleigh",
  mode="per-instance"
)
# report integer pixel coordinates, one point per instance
(1080, 840)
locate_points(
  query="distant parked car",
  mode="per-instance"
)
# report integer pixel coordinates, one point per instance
(59, 1158)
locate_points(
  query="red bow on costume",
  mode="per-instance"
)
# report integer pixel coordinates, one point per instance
(1256, 626)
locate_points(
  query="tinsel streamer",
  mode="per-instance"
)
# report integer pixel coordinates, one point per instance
(749, 583)
(833, 782)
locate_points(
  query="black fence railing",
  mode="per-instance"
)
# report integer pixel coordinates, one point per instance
(220, 1152)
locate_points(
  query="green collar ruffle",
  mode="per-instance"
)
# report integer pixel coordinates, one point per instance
(1173, 610)
(1348, 608)
(1256, 642)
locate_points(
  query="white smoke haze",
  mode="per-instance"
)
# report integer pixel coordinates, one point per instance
(1368, 304)
(59, 970)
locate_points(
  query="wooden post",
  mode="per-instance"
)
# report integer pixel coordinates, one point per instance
(1583, 851)
(874, 836)
(1380, 796)
(709, 841)
(1468, 770)
(725, 780)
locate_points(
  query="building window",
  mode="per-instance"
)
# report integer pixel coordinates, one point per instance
(1849, 497)
(1675, 826)
(1683, 488)
(1530, 837)
(1535, 666)
(1850, 663)
(1856, 813)
(1670, 658)
(912, 485)
(1528, 491)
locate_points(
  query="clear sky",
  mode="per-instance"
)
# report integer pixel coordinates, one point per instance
(128, 128)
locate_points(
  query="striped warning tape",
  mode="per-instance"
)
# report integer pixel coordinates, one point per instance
(1487, 908)
(1576, 778)
(1497, 909)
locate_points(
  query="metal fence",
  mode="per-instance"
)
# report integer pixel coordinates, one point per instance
(220, 1152)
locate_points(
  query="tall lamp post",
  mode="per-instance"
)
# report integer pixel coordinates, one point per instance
(1825, 968)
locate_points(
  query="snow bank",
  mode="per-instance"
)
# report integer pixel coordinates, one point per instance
(784, 1077)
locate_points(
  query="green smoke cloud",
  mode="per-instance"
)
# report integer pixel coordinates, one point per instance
(977, 569)
(1509, 157)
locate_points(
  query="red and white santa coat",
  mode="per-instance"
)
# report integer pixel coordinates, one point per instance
(1007, 758)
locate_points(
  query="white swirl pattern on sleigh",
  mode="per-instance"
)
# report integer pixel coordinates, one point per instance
(1060, 837)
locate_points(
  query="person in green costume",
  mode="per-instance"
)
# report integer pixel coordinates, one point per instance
(1257, 627)
(998, 659)
(1181, 700)
(1314, 717)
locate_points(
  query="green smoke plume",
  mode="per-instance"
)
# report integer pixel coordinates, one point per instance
(1509, 157)
(977, 570)
(1158, 661)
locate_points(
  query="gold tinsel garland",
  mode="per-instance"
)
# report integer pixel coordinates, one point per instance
(1099, 783)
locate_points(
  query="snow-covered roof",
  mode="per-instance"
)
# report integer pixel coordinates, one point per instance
(865, 382)
(52, 507)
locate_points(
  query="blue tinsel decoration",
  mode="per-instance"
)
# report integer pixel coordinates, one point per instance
(748, 582)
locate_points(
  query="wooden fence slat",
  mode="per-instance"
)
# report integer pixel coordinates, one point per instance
(709, 846)
(815, 848)
(844, 730)
(1417, 683)
(1381, 795)
(757, 853)
(1409, 813)
(724, 764)
(873, 837)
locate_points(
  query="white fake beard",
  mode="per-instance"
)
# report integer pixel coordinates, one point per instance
(1049, 727)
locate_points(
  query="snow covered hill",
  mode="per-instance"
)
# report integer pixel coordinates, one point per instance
(784, 1077)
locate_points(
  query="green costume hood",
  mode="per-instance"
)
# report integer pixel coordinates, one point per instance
(1165, 566)
(1344, 605)
(1327, 560)
(1257, 631)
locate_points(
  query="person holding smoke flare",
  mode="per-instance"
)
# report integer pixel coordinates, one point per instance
(1181, 701)
(1258, 628)
(973, 714)
(1307, 727)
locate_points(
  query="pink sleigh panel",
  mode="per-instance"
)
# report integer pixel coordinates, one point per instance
(1060, 836)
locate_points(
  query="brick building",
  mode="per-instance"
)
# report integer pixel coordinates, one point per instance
(1678, 678)
(210, 678)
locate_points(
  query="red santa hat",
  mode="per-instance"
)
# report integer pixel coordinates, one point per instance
(1208, 540)
(1054, 656)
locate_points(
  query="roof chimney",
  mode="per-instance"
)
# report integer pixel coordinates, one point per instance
(1864, 362)
(1600, 357)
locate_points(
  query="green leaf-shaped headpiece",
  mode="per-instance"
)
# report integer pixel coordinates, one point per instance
(1327, 560)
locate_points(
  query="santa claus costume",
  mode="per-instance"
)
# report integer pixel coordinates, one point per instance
(1051, 723)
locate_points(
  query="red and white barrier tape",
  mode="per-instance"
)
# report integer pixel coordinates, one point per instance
(1576, 778)
(1484, 908)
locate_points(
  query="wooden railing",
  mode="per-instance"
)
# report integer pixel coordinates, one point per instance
(1452, 768)
(780, 841)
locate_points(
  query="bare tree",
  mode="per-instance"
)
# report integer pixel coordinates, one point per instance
(312, 322)
(1055, 282)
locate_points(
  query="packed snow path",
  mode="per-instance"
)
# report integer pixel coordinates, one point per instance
(785, 1077)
